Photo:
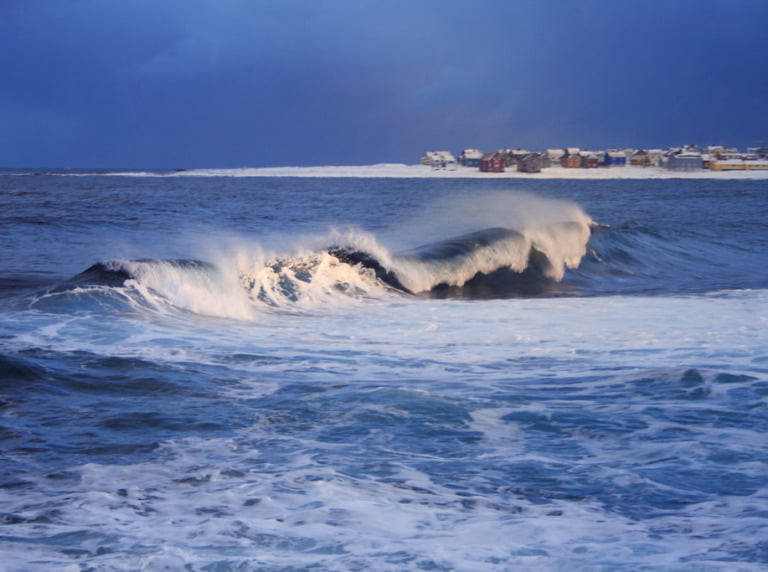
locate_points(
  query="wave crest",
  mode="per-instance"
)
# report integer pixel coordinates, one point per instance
(549, 250)
(497, 245)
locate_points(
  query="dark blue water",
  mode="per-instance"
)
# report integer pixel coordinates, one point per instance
(221, 393)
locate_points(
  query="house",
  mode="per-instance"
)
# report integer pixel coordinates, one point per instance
(748, 162)
(530, 163)
(552, 157)
(726, 154)
(640, 158)
(492, 162)
(510, 160)
(615, 159)
(759, 152)
(470, 157)
(571, 159)
(713, 150)
(508, 156)
(590, 160)
(438, 159)
(656, 157)
(685, 161)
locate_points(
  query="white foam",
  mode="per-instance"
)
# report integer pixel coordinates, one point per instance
(202, 290)
(206, 501)
(557, 228)
(200, 501)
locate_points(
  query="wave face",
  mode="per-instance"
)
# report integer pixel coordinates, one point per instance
(485, 246)
(529, 259)
(549, 248)
(495, 262)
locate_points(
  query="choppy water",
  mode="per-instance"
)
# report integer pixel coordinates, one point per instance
(224, 391)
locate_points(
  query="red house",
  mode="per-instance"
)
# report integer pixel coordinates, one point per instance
(640, 158)
(590, 161)
(492, 162)
(570, 161)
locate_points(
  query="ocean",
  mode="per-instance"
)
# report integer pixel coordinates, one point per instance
(212, 372)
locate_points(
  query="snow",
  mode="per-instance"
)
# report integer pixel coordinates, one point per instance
(398, 170)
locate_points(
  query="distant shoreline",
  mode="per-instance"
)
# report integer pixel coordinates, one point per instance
(402, 171)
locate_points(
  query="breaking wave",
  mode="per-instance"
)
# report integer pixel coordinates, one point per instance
(492, 262)
(543, 248)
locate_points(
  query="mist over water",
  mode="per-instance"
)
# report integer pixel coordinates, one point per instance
(571, 375)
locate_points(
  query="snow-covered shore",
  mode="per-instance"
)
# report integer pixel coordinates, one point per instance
(396, 170)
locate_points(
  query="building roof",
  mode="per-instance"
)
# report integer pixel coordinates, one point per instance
(439, 156)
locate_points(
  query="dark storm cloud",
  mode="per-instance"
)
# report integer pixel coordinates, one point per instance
(226, 83)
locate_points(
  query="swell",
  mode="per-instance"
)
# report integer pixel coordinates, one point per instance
(634, 259)
(558, 259)
(490, 263)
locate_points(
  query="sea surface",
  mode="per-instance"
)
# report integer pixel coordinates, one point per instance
(222, 373)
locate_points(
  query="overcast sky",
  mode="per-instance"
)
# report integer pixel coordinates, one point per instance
(227, 83)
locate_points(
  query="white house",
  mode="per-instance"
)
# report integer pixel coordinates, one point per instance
(438, 159)
(470, 157)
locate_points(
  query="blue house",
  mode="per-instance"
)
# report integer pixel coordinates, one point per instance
(615, 159)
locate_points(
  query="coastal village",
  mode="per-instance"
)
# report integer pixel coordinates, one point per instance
(686, 158)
